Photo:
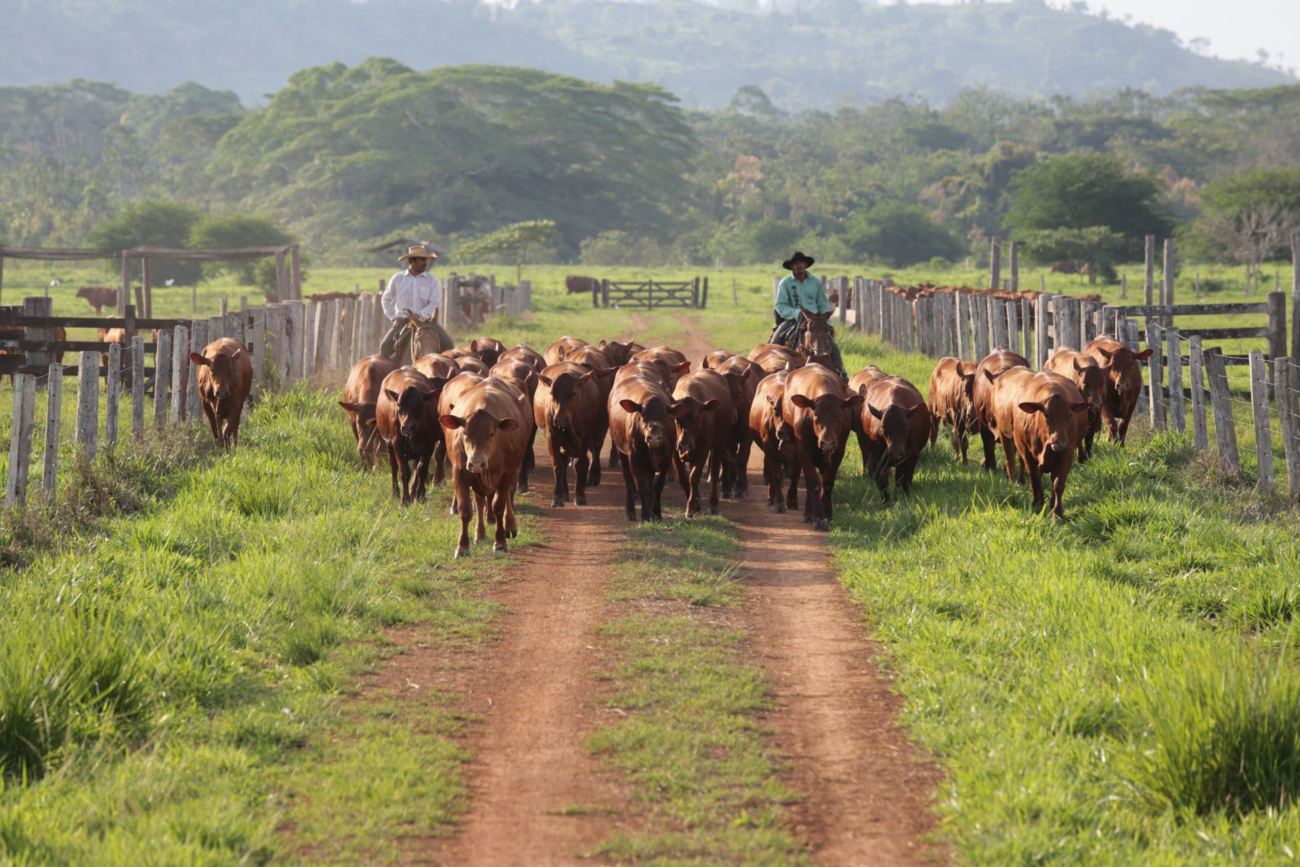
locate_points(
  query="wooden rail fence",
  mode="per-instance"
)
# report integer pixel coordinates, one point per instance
(652, 293)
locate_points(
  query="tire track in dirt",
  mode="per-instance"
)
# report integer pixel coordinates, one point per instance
(867, 789)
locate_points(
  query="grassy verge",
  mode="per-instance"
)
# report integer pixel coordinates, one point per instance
(691, 743)
(168, 676)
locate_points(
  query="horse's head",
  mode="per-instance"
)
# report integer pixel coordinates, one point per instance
(426, 339)
(814, 334)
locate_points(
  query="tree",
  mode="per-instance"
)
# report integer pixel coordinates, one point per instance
(1095, 249)
(154, 223)
(1079, 191)
(517, 243)
(237, 230)
(899, 235)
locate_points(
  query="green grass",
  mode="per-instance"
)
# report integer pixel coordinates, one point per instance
(691, 743)
(172, 674)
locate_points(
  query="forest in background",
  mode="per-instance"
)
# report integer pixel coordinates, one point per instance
(344, 156)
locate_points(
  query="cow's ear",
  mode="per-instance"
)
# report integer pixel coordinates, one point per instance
(629, 405)
(236, 354)
(855, 402)
(876, 412)
(473, 345)
(392, 395)
(586, 377)
(432, 396)
(545, 380)
(789, 366)
(200, 360)
(704, 363)
(710, 405)
(605, 371)
(507, 424)
(679, 408)
(350, 407)
(684, 367)
(1105, 353)
(1078, 368)
(969, 377)
(801, 400)
(1030, 407)
(990, 375)
(1078, 407)
(920, 407)
(451, 422)
(602, 344)
(1143, 355)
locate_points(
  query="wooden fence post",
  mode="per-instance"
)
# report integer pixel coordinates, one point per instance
(53, 423)
(980, 309)
(1013, 327)
(1295, 297)
(1221, 400)
(1199, 428)
(998, 324)
(88, 403)
(1286, 386)
(1276, 324)
(1167, 283)
(323, 323)
(1149, 275)
(112, 394)
(162, 377)
(20, 439)
(1177, 408)
(1041, 307)
(1156, 379)
(259, 351)
(198, 340)
(180, 362)
(995, 263)
(296, 332)
(1015, 265)
(137, 386)
(1259, 412)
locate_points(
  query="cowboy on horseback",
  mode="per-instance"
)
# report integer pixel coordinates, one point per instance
(411, 303)
(803, 313)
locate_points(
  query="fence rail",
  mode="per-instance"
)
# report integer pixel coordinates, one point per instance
(653, 293)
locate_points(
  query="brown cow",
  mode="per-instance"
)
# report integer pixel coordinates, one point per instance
(604, 366)
(776, 439)
(951, 402)
(895, 427)
(471, 364)
(1003, 393)
(1045, 432)
(705, 414)
(1087, 374)
(820, 409)
(526, 354)
(555, 353)
(1123, 382)
(714, 358)
(487, 349)
(865, 378)
(995, 362)
(406, 419)
(519, 373)
(576, 284)
(569, 408)
(619, 351)
(655, 370)
(743, 376)
(487, 434)
(436, 366)
(223, 375)
(360, 397)
(773, 357)
(677, 363)
(98, 297)
(644, 432)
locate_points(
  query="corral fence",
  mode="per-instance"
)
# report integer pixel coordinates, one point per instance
(650, 294)
(1182, 372)
(288, 342)
(467, 300)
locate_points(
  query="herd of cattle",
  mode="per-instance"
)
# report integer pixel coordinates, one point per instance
(479, 408)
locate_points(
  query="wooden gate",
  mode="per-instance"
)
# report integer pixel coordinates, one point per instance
(654, 293)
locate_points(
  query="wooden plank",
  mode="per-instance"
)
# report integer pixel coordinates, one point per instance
(1192, 309)
(258, 351)
(296, 331)
(1149, 272)
(1177, 407)
(1199, 428)
(20, 439)
(1042, 306)
(1259, 414)
(1286, 388)
(137, 387)
(198, 341)
(1167, 282)
(1155, 381)
(112, 395)
(998, 323)
(295, 271)
(1225, 433)
(88, 403)
(162, 384)
(180, 365)
(981, 329)
(1013, 327)
(1276, 328)
(53, 423)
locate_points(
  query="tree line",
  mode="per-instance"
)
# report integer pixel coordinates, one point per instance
(343, 156)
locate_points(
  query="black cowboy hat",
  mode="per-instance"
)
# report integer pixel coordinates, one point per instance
(798, 254)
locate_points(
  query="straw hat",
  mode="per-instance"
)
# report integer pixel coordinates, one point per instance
(417, 252)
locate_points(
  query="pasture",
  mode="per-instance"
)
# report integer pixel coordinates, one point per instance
(197, 655)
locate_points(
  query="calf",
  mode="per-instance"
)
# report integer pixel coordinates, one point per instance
(951, 402)
(576, 283)
(895, 427)
(705, 415)
(1084, 371)
(773, 357)
(644, 433)
(406, 419)
(360, 397)
(981, 398)
(1123, 383)
(743, 376)
(776, 438)
(1045, 432)
(820, 410)
(487, 435)
(555, 353)
(569, 409)
(223, 375)
(522, 376)
(98, 297)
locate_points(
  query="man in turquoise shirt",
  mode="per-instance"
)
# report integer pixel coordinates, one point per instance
(802, 291)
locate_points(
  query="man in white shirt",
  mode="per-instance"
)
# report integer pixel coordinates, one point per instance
(413, 294)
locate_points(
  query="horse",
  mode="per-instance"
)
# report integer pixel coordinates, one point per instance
(425, 338)
(815, 335)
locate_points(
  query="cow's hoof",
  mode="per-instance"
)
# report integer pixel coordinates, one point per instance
(462, 552)
(631, 516)
(557, 503)
(580, 500)
(523, 488)
(713, 510)
(807, 518)
(823, 524)
(499, 547)
(593, 481)
(742, 495)
(780, 508)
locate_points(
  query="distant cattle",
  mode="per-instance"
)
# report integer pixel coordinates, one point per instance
(99, 297)
(224, 375)
(360, 397)
(1123, 370)
(575, 284)
(820, 409)
(951, 402)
